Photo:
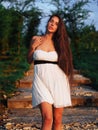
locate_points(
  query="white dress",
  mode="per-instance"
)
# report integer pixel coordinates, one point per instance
(50, 84)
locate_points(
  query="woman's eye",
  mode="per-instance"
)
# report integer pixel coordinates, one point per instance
(51, 21)
(57, 24)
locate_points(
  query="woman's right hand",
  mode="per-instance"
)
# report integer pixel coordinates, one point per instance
(35, 42)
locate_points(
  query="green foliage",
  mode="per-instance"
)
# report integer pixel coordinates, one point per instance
(89, 38)
(32, 25)
(10, 29)
(14, 23)
(87, 59)
(12, 70)
(4, 28)
(13, 62)
(87, 63)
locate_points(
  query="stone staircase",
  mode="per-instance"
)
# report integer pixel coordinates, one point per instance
(81, 95)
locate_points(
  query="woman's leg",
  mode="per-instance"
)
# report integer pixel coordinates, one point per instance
(47, 116)
(57, 118)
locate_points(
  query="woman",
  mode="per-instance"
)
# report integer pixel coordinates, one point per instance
(52, 69)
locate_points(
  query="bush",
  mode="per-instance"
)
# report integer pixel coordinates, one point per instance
(88, 64)
(11, 70)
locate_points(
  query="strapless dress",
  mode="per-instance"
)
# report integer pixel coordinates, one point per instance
(50, 83)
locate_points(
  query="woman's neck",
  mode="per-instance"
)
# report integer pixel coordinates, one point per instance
(48, 36)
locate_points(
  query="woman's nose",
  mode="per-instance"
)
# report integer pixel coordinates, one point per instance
(52, 24)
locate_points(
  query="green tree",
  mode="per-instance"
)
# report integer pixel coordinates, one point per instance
(89, 38)
(32, 25)
(5, 29)
(22, 13)
(11, 27)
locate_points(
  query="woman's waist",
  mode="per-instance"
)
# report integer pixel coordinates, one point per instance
(36, 62)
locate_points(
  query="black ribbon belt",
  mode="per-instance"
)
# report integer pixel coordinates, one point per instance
(44, 62)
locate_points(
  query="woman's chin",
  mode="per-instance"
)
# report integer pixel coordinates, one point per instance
(51, 31)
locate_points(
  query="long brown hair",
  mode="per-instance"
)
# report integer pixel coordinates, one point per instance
(62, 46)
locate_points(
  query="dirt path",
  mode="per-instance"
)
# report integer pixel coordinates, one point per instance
(77, 118)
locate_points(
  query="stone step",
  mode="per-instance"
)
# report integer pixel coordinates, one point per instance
(25, 84)
(27, 81)
(81, 96)
(23, 100)
(76, 101)
(84, 101)
(20, 103)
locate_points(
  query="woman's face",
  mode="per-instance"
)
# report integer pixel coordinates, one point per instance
(53, 24)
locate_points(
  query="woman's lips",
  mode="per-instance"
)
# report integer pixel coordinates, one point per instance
(51, 28)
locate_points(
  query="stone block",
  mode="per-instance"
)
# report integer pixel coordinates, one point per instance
(19, 103)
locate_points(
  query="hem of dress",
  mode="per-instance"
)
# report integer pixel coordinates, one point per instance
(36, 105)
(64, 106)
(55, 106)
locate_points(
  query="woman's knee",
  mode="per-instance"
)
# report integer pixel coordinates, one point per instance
(57, 120)
(47, 119)
(57, 117)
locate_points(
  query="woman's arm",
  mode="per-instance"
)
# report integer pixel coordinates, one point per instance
(35, 42)
(30, 52)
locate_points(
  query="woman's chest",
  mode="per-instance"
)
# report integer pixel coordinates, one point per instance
(46, 46)
(43, 55)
